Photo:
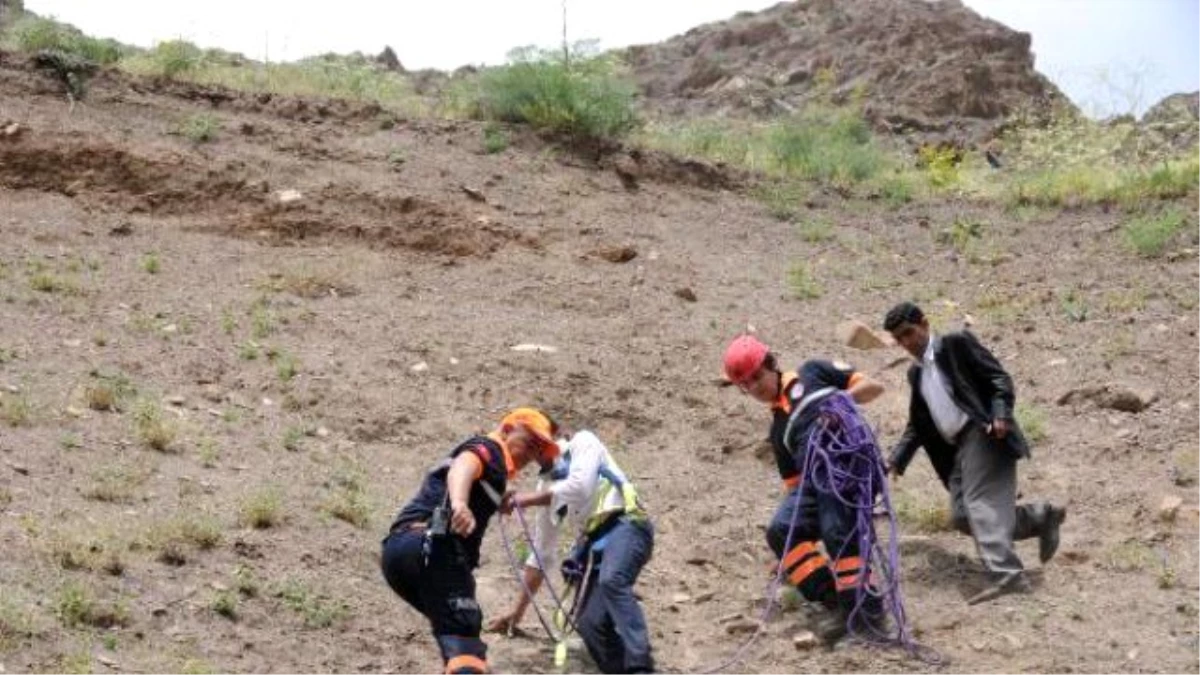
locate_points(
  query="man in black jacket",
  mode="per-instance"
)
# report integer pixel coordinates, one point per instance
(961, 412)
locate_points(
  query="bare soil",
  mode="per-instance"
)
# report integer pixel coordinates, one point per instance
(133, 256)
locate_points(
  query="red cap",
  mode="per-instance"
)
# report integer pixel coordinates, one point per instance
(744, 356)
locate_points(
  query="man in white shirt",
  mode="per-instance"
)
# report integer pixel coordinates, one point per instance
(595, 499)
(961, 412)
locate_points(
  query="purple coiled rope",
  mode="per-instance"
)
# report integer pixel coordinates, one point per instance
(843, 459)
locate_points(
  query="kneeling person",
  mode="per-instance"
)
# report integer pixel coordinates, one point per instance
(592, 493)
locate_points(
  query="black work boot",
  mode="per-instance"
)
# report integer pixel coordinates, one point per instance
(831, 627)
(1049, 538)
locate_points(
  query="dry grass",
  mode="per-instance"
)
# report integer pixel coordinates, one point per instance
(152, 428)
(1130, 556)
(318, 610)
(91, 552)
(16, 623)
(16, 409)
(348, 500)
(918, 514)
(310, 283)
(76, 606)
(174, 539)
(1032, 420)
(117, 483)
(262, 509)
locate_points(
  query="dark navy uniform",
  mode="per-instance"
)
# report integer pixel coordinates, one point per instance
(821, 518)
(432, 571)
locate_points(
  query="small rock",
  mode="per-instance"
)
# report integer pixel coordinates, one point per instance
(1132, 655)
(617, 254)
(473, 193)
(176, 400)
(680, 598)
(453, 361)
(218, 586)
(805, 640)
(268, 402)
(419, 367)
(24, 471)
(12, 130)
(322, 432)
(212, 393)
(1112, 396)
(859, 335)
(107, 661)
(289, 196)
(1054, 363)
(686, 294)
(969, 320)
(705, 597)
(170, 328)
(72, 343)
(531, 347)
(1169, 508)
(741, 627)
(74, 412)
(122, 230)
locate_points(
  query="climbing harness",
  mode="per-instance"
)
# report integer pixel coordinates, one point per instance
(577, 573)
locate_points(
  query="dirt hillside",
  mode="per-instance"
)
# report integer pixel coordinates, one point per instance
(930, 67)
(285, 326)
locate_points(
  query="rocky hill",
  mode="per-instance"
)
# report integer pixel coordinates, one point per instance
(1175, 121)
(933, 67)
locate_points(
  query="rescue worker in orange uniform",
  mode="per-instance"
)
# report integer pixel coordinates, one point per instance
(792, 398)
(433, 544)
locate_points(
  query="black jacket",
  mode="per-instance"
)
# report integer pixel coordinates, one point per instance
(980, 387)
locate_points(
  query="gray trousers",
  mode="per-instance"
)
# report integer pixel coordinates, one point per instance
(983, 501)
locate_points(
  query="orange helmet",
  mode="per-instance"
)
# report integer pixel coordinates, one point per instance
(744, 356)
(540, 425)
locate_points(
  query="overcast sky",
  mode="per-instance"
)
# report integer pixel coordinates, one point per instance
(1107, 55)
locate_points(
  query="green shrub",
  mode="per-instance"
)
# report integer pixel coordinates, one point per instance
(802, 283)
(831, 145)
(584, 98)
(941, 165)
(896, 190)
(1032, 420)
(960, 234)
(33, 33)
(175, 57)
(1149, 235)
(494, 139)
(783, 198)
(199, 128)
